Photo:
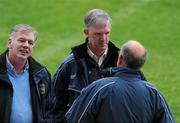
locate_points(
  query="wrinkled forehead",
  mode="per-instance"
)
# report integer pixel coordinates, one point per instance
(101, 26)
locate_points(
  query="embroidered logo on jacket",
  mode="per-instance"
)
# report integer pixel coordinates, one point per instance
(42, 88)
(73, 76)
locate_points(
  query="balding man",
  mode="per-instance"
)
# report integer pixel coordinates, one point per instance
(123, 98)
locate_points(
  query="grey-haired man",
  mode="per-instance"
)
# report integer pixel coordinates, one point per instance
(86, 61)
(24, 83)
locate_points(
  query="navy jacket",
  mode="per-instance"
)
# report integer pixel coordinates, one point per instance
(41, 103)
(124, 98)
(73, 75)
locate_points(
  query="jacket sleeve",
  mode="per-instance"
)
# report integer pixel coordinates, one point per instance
(60, 87)
(86, 106)
(163, 113)
(80, 111)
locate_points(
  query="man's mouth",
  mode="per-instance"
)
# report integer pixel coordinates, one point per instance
(24, 51)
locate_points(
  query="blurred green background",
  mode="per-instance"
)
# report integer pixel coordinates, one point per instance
(155, 23)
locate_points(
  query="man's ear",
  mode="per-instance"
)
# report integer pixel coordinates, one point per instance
(86, 31)
(9, 43)
(120, 60)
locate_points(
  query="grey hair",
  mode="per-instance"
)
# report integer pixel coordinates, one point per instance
(22, 28)
(96, 16)
(131, 60)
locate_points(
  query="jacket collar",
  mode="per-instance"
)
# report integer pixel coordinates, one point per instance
(36, 70)
(3, 63)
(81, 50)
(34, 66)
(123, 72)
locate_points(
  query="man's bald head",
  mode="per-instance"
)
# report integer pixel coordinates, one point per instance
(132, 55)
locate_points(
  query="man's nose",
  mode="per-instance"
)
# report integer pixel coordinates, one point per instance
(26, 44)
(103, 37)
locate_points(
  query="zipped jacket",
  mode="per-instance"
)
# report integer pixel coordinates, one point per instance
(74, 74)
(40, 89)
(123, 98)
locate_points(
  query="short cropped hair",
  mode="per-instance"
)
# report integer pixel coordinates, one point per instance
(131, 60)
(22, 28)
(96, 16)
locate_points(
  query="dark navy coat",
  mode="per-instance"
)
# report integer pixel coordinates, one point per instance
(124, 98)
(73, 75)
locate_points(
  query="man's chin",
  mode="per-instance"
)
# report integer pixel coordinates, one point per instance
(104, 46)
(23, 57)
